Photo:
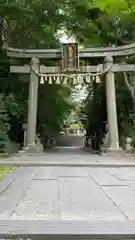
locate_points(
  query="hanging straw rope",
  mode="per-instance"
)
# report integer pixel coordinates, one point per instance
(63, 78)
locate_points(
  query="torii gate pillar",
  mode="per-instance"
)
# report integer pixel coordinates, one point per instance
(32, 108)
(111, 106)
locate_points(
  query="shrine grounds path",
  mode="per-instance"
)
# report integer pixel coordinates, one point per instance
(70, 193)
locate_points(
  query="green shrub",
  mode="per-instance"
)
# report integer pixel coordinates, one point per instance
(4, 140)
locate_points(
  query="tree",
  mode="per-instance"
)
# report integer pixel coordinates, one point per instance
(4, 125)
(10, 10)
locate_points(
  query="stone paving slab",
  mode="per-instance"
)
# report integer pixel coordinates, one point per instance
(82, 199)
(124, 198)
(123, 174)
(103, 176)
(41, 201)
(12, 192)
(61, 193)
(72, 172)
(44, 173)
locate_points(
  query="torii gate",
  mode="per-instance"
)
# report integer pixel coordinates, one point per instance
(32, 229)
(70, 70)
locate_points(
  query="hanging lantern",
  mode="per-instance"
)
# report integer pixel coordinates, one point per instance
(42, 80)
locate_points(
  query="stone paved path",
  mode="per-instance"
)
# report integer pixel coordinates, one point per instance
(55, 193)
(66, 193)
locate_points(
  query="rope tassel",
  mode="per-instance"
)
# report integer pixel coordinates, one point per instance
(65, 80)
(97, 79)
(74, 80)
(42, 80)
(58, 80)
(93, 78)
(80, 79)
(50, 80)
(45, 78)
(88, 79)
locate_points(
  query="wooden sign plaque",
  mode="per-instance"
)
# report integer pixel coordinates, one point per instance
(70, 57)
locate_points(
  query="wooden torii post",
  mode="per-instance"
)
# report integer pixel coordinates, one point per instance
(35, 70)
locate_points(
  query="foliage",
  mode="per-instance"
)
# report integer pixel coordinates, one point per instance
(53, 107)
(125, 109)
(21, 32)
(4, 71)
(76, 126)
(98, 23)
(4, 124)
(10, 11)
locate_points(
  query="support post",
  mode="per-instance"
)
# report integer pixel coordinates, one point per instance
(111, 105)
(32, 106)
